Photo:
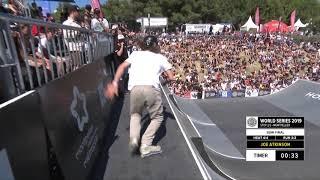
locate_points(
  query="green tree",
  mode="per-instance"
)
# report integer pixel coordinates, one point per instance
(214, 11)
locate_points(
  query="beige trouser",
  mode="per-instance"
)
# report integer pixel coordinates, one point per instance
(150, 98)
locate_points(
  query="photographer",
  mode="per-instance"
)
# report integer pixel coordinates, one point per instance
(121, 54)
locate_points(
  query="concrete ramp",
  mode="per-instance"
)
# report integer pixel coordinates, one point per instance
(301, 99)
(207, 129)
(222, 139)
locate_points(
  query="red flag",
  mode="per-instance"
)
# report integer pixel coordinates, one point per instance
(293, 19)
(257, 17)
(95, 4)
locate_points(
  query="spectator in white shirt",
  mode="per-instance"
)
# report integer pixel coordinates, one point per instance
(45, 49)
(99, 23)
(71, 37)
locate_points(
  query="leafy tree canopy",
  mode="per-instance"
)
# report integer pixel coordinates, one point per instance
(213, 11)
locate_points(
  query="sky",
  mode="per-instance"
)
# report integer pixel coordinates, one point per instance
(52, 5)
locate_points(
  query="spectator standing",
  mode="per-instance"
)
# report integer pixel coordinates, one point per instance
(99, 23)
(40, 11)
(121, 54)
(64, 14)
(34, 10)
(121, 50)
(71, 37)
(87, 16)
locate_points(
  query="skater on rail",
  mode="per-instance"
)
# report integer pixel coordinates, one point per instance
(146, 67)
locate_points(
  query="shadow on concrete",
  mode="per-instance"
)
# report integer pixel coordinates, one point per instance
(109, 138)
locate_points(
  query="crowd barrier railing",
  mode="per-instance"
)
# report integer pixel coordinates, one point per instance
(35, 52)
(57, 130)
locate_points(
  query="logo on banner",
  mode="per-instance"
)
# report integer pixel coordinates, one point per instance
(224, 93)
(234, 94)
(194, 95)
(252, 122)
(210, 94)
(313, 95)
(248, 93)
(78, 108)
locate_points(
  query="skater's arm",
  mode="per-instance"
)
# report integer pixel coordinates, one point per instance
(112, 88)
(120, 71)
(169, 74)
(167, 70)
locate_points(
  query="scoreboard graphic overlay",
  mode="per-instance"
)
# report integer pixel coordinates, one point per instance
(274, 138)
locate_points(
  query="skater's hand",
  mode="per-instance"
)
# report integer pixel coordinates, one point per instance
(111, 90)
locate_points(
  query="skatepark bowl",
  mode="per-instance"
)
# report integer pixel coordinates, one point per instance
(220, 137)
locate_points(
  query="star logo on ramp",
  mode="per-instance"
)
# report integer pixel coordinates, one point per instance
(78, 108)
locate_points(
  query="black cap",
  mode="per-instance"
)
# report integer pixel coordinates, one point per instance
(150, 41)
(88, 7)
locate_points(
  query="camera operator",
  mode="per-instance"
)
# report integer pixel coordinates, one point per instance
(121, 54)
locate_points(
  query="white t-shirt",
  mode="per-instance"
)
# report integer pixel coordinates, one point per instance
(69, 34)
(43, 42)
(99, 24)
(146, 68)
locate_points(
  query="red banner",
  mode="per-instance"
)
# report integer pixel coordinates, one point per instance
(257, 17)
(292, 20)
(95, 4)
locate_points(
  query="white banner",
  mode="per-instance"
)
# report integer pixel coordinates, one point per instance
(197, 28)
(251, 92)
(194, 95)
(154, 22)
(275, 132)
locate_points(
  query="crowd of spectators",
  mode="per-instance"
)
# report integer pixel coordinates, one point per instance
(238, 62)
(51, 52)
(89, 18)
(46, 52)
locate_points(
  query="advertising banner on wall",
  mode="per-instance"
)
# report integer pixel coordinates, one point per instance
(74, 111)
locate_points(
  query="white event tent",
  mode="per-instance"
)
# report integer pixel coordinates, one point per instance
(299, 24)
(249, 25)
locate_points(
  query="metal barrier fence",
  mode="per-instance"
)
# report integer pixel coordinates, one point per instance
(33, 52)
